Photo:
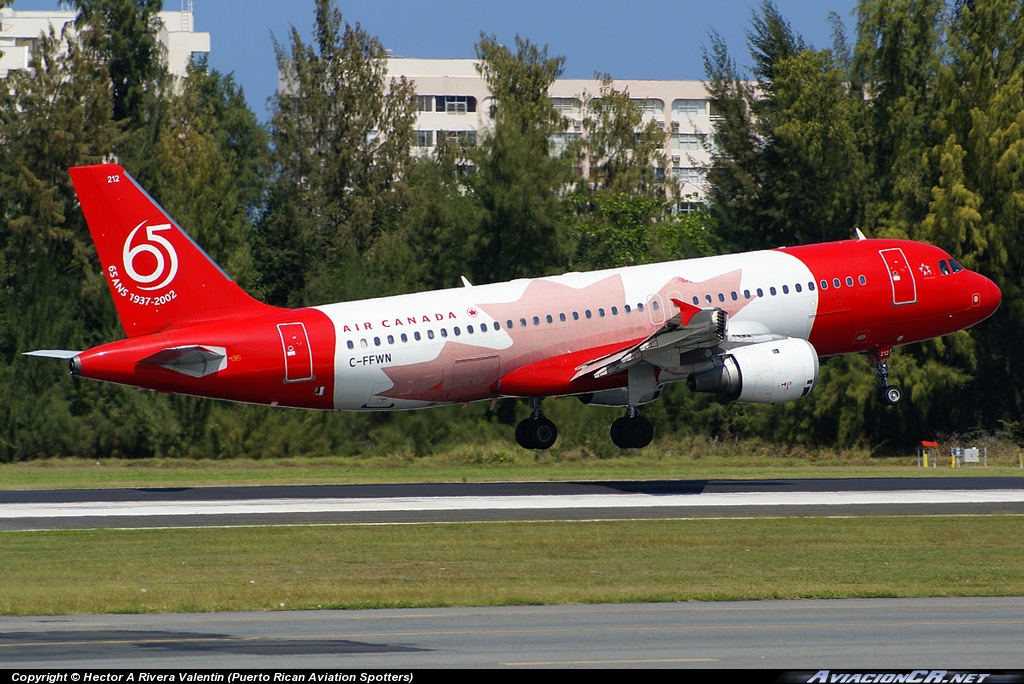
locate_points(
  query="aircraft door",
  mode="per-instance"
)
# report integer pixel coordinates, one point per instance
(298, 361)
(901, 276)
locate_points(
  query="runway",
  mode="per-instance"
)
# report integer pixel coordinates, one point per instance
(413, 503)
(979, 634)
(965, 633)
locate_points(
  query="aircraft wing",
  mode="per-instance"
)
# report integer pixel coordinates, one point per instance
(193, 360)
(691, 328)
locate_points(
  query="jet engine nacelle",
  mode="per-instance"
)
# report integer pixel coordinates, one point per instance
(764, 373)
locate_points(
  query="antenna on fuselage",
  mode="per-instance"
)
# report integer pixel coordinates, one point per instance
(860, 235)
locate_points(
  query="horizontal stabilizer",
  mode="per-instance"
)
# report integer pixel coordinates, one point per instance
(195, 361)
(54, 353)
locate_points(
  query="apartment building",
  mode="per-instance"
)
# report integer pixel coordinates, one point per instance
(453, 101)
(20, 31)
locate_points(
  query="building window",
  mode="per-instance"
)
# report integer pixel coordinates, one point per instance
(690, 108)
(424, 139)
(686, 142)
(464, 139)
(651, 107)
(455, 104)
(567, 106)
(424, 103)
(688, 174)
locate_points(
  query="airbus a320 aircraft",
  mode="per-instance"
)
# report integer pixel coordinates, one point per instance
(749, 326)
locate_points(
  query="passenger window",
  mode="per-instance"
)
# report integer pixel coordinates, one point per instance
(810, 286)
(522, 322)
(456, 331)
(824, 284)
(849, 281)
(600, 313)
(836, 283)
(696, 301)
(405, 338)
(350, 345)
(640, 306)
(746, 294)
(376, 341)
(391, 339)
(760, 292)
(561, 317)
(626, 308)
(416, 336)
(444, 332)
(773, 290)
(785, 289)
(721, 297)
(550, 319)
(799, 288)
(587, 313)
(575, 315)
(734, 296)
(362, 343)
(862, 280)
(430, 334)
(615, 311)
(655, 304)
(536, 320)
(469, 329)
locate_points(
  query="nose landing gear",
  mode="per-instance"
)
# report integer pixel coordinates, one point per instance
(887, 395)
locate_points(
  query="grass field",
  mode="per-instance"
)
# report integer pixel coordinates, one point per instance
(349, 566)
(262, 568)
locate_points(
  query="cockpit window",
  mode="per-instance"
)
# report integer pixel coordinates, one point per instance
(955, 266)
(943, 268)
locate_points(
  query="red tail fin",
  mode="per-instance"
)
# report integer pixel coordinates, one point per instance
(159, 277)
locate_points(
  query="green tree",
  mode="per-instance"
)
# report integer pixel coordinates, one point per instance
(896, 59)
(977, 203)
(786, 147)
(518, 180)
(341, 134)
(135, 60)
(623, 152)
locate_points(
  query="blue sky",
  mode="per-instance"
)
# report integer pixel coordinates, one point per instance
(639, 39)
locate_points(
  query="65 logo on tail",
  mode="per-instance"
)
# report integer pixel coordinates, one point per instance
(151, 258)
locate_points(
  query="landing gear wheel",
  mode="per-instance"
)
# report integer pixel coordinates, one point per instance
(634, 432)
(890, 395)
(536, 433)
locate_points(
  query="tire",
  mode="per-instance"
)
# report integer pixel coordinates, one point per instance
(536, 433)
(889, 396)
(632, 433)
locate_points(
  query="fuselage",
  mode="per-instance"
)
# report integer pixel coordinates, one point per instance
(527, 337)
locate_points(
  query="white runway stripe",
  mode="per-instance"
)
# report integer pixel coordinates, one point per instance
(463, 503)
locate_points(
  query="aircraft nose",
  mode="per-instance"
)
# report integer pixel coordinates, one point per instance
(985, 296)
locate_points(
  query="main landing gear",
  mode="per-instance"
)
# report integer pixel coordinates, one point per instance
(536, 432)
(632, 431)
(888, 395)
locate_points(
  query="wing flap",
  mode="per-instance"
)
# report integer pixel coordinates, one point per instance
(691, 328)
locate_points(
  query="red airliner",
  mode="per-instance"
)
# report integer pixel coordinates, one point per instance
(749, 326)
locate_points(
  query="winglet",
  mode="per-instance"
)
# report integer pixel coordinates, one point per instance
(686, 311)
